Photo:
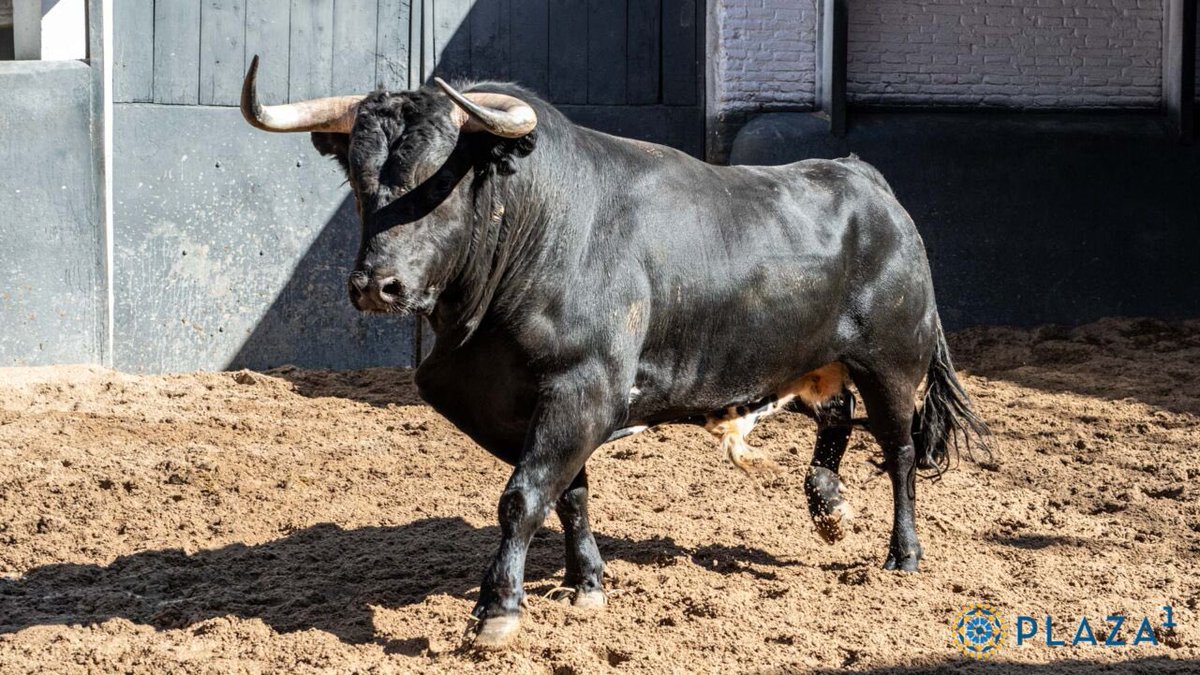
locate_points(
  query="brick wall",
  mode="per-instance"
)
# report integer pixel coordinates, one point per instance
(1010, 53)
(1005, 53)
(767, 54)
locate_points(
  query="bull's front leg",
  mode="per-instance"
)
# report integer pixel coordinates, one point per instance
(585, 568)
(571, 421)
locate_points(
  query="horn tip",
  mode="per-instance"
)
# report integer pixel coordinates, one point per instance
(251, 109)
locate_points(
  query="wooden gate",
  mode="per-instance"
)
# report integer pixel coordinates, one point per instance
(628, 67)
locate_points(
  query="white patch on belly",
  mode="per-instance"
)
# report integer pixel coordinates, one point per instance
(733, 424)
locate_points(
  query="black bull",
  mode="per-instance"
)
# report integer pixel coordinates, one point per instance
(584, 286)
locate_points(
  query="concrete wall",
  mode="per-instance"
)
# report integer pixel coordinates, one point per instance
(53, 301)
(1054, 54)
(232, 249)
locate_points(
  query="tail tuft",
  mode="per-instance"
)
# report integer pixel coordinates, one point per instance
(946, 416)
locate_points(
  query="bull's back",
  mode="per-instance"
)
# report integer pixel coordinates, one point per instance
(755, 273)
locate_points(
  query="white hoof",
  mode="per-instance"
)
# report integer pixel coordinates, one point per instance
(497, 632)
(590, 600)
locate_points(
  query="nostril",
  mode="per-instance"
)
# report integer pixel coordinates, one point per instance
(390, 286)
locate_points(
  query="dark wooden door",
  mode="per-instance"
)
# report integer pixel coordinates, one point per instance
(630, 67)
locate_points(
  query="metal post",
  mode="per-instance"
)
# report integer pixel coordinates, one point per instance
(1179, 67)
(832, 63)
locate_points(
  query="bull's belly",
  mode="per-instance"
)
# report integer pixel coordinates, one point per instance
(732, 423)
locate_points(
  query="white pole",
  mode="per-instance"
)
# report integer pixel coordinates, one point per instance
(27, 30)
(107, 91)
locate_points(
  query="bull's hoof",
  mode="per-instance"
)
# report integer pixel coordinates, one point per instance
(903, 561)
(830, 513)
(832, 526)
(594, 599)
(579, 596)
(497, 632)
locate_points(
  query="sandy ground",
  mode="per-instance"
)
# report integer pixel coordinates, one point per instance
(303, 521)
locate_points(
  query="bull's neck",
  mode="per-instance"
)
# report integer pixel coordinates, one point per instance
(507, 237)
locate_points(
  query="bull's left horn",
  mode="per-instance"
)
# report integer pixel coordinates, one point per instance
(333, 114)
(499, 114)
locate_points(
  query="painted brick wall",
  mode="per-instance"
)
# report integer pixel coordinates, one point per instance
(1005, 53)
(767, 57)
(1009, 53)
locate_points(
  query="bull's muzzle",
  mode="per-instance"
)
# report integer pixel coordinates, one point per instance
(375, 294)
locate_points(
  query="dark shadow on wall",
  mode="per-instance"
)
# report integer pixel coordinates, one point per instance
(311, 322)
(1028, 218)
(322, 577)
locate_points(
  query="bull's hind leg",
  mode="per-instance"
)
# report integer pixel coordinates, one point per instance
(585, 568)
(831, 513)
(890, 407)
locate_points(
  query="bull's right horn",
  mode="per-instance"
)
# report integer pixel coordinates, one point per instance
(333, 114)
(500, 114)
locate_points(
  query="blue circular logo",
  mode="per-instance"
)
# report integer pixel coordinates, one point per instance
(978, 631)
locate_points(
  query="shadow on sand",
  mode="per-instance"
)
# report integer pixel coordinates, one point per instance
(322, 577)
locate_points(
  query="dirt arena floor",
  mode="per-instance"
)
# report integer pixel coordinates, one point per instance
(305, 521)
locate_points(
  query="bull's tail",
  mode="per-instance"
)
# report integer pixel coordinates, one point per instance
(946, 416)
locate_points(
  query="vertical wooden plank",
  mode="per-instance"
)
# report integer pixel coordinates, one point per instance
(176, 51)
(222, 51)
(267, 36)
(355, 23)
(679, 52)
(310, 53)
(568, 46)
(642, 53)
(393, 43)
(416, 47)
(606, 52)
(489, 39)
(133, 51)
(528, 51)
(452, 38)
(425, 45)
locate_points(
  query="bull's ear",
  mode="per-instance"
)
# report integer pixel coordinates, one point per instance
(334, 145)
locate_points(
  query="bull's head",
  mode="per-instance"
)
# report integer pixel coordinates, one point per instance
(406, 155)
